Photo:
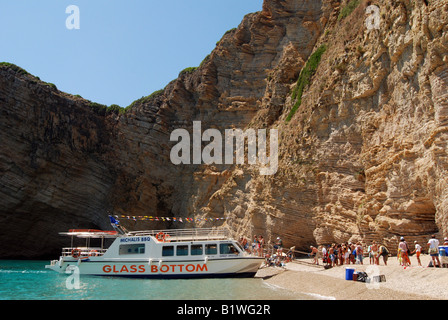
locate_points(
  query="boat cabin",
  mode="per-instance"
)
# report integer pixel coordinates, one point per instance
(159, 244)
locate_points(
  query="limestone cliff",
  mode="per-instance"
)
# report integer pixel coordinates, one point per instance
(362, 140)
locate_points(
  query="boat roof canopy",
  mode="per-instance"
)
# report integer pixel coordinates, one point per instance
(193, 234)
(90, 233)
(174, 235)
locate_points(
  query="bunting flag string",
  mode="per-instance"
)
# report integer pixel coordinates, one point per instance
(175, 219)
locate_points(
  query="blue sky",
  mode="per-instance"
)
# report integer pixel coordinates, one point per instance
(123, 50)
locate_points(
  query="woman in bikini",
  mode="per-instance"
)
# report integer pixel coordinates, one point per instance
(374, 251)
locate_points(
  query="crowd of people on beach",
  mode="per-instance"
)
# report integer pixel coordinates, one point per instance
(344, 253)
(348, 253)
(273, 254)
(354, 253)
(433, 250)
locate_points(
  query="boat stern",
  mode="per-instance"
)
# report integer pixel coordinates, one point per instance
(55, 265)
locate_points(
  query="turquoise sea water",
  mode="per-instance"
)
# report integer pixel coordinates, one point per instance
(29, 280)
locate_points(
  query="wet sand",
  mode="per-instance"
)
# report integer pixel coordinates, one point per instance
(410, 283)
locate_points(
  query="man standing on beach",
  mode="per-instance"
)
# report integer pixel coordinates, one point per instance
(314, 255)
(433, 250)
(353, 253)
(403, 246)
(325, 255)
(279, 245)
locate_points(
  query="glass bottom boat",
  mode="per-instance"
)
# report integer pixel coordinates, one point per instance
(163, 254)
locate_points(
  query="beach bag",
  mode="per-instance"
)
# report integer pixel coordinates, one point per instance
(362, 276)
(432, 251)
(407, 251)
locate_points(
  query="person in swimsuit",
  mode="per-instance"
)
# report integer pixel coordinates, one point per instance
(260, 245)
(417, 251)
(255, 245)
(313, 254)
(359, 253)
(374, 250)
(331, 255)
(384, 252)
(347, 255)
(403, 246)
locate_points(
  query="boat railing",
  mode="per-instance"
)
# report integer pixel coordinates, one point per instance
(83, 251)
(173, 235)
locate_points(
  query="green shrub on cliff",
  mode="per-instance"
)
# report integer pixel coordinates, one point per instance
(187, 70)
(52, 85)
(145, 99)
(305, 78)
(348, 9)
(226, 33)
(102, 109)
(22, 71)
(98, 108)
(12, 66)
(115, 108)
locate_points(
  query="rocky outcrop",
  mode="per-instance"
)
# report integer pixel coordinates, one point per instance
(53, 167)
(362, 157)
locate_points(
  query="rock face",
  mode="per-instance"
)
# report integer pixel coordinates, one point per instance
(363, 157)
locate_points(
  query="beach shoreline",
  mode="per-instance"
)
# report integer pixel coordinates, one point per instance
(410, 283)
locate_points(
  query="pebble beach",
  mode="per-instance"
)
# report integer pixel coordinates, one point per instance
(411, 283)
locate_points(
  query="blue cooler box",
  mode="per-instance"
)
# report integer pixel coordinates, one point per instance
(443, 251)
(349, 274)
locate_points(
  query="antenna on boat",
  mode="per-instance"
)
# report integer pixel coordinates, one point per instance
(116, 225)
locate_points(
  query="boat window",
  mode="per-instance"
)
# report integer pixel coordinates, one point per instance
(227, 248)
(167, 251)
(182, 250)
(241, 249)
(211, 249)
(196, 249)
(138, 248)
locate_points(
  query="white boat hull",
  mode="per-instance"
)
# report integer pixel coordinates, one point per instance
(179, 253)
(245, 266)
